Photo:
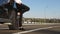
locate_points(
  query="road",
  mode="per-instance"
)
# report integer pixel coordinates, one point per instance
(33, 29)
(46, 31)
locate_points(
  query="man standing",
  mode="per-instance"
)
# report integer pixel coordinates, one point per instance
(21, 8)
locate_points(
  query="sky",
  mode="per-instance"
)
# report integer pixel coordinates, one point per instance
(42, 9)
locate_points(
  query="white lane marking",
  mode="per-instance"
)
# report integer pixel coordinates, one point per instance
(35, 30)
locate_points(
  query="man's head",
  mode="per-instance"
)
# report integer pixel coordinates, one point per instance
(18, 1)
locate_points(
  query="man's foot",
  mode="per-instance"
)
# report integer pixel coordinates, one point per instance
(21, 28)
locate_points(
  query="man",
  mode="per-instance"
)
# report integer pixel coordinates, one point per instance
(9, 4)
(21, 8)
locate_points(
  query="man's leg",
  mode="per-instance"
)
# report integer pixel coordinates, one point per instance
(21, 8)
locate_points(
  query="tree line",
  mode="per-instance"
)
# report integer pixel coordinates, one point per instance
(42, 20)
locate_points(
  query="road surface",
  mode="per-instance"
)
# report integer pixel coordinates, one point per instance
(32, 29)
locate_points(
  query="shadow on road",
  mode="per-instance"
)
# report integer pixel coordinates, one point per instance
(7, 31)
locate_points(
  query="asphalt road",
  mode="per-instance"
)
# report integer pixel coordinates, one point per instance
(33, 29)
(46, 31)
